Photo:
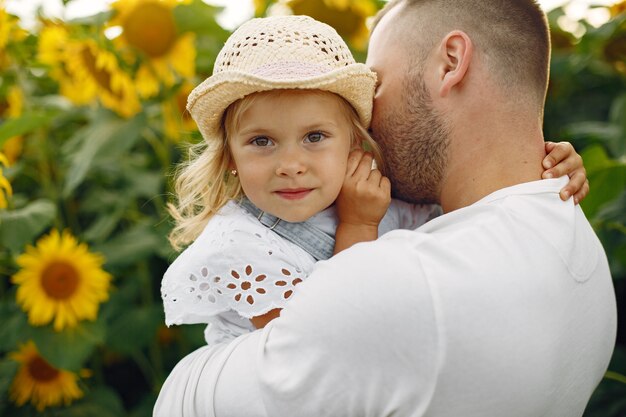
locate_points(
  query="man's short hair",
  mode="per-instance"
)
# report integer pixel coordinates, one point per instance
(512, 35)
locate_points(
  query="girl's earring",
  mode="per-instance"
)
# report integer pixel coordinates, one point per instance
(233, 172)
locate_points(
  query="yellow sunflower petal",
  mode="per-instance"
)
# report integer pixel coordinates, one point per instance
(5, 185)
(149, 27)
(40, 383)
(60, 281)
(185, 53)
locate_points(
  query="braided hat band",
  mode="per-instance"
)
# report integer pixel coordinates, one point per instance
(281, 52)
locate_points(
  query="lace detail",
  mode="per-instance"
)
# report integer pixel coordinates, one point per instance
(235, 264)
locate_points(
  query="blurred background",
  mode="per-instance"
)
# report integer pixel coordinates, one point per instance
(92, 121)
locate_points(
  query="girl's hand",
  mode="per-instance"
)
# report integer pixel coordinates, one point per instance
(366, 193)
(562, 159)
(362, 202)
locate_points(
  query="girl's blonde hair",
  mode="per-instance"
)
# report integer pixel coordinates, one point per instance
(203, 184)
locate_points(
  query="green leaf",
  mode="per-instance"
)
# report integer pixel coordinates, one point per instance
(615, 211)
(22, 125)
(144, 183)
(606, 176)
(8, 368)
(14, 326)
(99, 140)
(103, 227)
(130, 247)
(69, 348)
(98, 19)
(199, 17)
(19, 227)
(135, 329)
(101, 402)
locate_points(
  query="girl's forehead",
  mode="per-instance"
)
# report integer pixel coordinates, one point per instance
(295, 109)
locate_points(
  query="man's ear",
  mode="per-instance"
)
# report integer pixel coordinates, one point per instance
(454, 57)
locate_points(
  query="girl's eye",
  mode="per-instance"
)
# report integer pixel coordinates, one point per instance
(261, 141)
(315, 137)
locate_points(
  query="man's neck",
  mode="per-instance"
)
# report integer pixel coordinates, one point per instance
(483, 161)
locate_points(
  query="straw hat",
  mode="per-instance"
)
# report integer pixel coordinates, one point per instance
(281, 52)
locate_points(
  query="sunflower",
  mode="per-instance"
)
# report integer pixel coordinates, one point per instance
(148, 26)
(85, 71)
(5, 186)
(41, 383)
(618, 8)
(12, 147)
(9, 29)
(60, 281)
(5, 26)
(348, 17)
(12, 104)
(10, 32)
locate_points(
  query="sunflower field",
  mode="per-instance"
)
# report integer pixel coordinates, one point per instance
(92, 124)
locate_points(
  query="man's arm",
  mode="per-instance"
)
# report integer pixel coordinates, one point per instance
(358, 338)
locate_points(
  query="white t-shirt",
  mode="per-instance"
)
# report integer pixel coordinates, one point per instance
(237, 268)
(502, 308)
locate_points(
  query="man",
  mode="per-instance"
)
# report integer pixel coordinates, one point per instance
(504, 306)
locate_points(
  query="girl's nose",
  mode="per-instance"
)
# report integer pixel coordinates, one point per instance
(292, 163)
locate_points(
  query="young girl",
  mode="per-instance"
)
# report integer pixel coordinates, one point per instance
(281, 180)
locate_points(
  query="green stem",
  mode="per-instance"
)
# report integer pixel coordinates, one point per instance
(614, 376)
(160, 148)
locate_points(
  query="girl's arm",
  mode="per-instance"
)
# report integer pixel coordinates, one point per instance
(562, 159)
(260, 321)
(362, 202)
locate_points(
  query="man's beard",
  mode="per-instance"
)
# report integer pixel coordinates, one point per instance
(414, 143)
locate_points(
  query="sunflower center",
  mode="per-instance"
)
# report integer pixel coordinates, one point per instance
(59, 280)
(41, 370)
(150, 27)
(4, 105)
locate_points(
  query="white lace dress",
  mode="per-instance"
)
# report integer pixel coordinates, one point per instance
(237, 268)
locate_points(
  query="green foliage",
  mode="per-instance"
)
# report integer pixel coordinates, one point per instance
(586, 104)
(106, 178)
(20, 226)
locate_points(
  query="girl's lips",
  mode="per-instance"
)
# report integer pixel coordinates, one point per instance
(294, 194)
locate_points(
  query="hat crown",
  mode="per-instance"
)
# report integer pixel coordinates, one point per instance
(283, 47)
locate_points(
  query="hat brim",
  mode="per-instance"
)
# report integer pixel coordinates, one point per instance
(208, 101)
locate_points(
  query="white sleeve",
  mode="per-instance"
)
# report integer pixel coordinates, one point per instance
(250, 272)
(344, 346)
(403, 215)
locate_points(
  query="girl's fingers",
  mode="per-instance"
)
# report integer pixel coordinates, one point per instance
(570, 166)
(557, 154)
(374, 176)
(385, 184)
(549, 146)
(365, 166)
(582, 193)
(575, 184)
(354, 158)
